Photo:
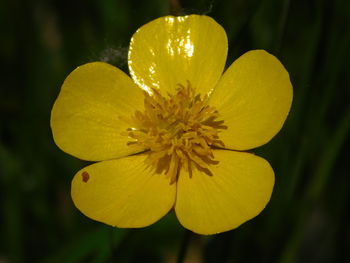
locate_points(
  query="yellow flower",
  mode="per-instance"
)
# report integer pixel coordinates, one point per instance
(172, 135)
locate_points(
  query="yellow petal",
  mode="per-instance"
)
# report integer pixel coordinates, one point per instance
(240, 187)
(173, 50)
(123, 192)
(85, 117)
(253, 97)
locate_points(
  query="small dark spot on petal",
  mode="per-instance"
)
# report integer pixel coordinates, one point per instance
(85, 176)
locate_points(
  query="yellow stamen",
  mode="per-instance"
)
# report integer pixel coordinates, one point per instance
(179, 131)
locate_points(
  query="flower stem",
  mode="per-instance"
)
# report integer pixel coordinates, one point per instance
(174, 7)
(184, 246)
(282, 25)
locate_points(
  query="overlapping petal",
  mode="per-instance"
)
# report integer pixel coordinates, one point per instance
(253, 97)
(123, 192)
(174, 50)
(239, 189)
(85, 119)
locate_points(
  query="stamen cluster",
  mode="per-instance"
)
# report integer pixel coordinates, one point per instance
(179, 131)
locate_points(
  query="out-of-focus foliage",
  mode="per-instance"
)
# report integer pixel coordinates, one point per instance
(308, 217)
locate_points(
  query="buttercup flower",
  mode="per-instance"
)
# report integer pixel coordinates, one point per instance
(172, 136)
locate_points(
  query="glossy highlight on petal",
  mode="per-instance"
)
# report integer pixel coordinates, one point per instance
(173, 50)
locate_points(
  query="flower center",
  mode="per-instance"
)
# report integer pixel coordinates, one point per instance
(180, 132)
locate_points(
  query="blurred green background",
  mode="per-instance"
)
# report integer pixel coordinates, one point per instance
(308, 218)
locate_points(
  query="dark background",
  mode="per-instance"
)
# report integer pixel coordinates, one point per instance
(308, 217)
